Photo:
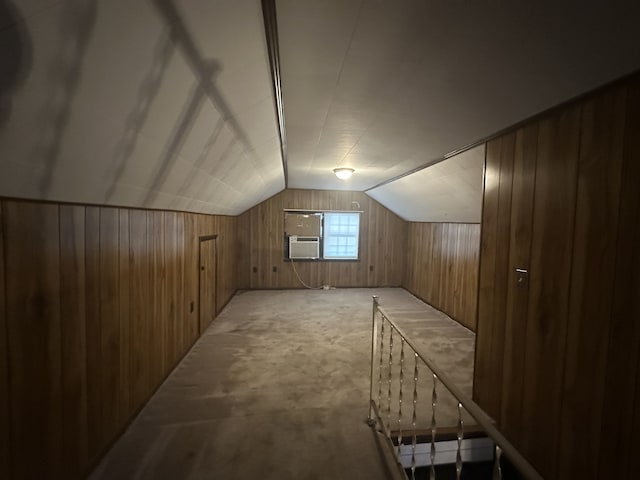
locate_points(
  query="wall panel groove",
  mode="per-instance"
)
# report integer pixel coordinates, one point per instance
(5, 415)
(74, 340)
(93, 330)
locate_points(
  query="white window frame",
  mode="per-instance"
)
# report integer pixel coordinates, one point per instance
(327, 234)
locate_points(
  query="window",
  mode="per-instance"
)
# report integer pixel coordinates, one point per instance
(341, 232)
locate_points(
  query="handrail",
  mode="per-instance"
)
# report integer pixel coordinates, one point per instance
(523, 466)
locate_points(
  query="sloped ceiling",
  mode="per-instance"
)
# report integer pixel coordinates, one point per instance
(386, 86)
(162, 104)
(449, 191)
(169, 103)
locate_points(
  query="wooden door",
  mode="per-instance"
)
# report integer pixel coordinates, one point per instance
(207, 298)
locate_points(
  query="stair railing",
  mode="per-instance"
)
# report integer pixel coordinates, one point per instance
(397, 410)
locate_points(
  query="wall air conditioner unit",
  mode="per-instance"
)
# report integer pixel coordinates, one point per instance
(304, 247)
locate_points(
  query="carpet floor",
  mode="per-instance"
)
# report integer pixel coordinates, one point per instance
(277, 388)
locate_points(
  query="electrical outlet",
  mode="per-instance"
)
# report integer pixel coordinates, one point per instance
(371, 268)
(275, 269)
(255, 269)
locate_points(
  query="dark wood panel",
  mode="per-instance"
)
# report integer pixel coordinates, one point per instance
(191, 323)
(94, 331)
(490, 328)
(244, 254)
(500, 286)
(5, 453)
(109, 322)
(172, 268)
(183, 304)
(227, 261)
(159, 315)
(551, 250)
(594, 253)
(207, 284)
(520, 231)
(74, 340)
(141, 294)
(31, 237)
(126, 408)
(621, 414)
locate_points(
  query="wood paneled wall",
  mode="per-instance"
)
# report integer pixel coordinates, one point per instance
(261, 238)
(558, 361)
(442, 267)
(95, 311)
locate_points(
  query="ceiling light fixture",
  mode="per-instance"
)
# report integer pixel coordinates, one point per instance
(343, 173)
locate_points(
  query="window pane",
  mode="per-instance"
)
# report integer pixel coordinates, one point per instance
(341, 235)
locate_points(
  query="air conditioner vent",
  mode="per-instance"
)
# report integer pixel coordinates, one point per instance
(304, 247)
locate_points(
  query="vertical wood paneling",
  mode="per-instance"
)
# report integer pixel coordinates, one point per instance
(109, 321)
(158, 280)
(183, 303)
(621, 414)
(551, 248)
(206, 283)
(5, 453)
(94, 330)
(226, 280)
(501, 261)
(140, 300)
(524, 166)
(244, 254)
(126, 408)
(571, 361)
(594, 253)
(93, 320)
(442, 267)
(171, 301)
(74, 341)
(191, 324)
(32, 277)
(490, 329)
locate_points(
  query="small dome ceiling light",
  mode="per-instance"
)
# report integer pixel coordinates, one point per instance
(343, 173)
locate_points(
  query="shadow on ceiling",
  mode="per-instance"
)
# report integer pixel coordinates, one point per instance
(16, 53)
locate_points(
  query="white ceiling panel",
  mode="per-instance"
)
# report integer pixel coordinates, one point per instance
(161, 104)
(448, 191)
(410, 81)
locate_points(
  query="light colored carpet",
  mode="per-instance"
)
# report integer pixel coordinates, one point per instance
(277, 388)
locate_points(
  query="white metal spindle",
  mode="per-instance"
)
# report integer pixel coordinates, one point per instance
(389, 382)
(497, 468)
(400, 396)
(459, 449)
(414, 417)
(381, 363)
(434, 402)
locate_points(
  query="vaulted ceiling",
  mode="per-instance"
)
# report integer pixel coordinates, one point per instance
(170, 103)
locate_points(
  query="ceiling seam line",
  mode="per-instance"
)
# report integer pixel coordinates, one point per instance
(273, 49)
